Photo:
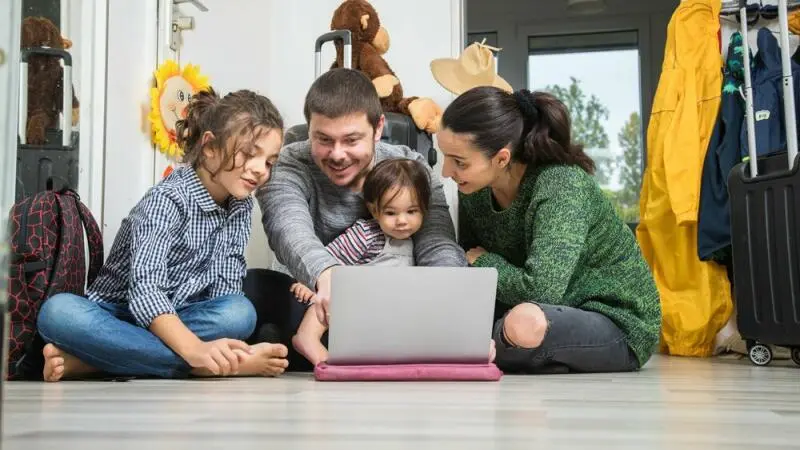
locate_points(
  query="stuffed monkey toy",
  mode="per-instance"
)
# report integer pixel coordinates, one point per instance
(45, 79)
(370, 42)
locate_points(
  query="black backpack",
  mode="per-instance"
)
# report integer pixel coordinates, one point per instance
(47, 257)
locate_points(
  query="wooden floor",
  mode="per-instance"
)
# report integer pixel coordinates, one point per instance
(673, 403)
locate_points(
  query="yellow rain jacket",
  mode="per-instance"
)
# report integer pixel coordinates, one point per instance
(695, 295)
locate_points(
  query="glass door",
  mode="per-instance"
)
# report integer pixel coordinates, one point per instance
(10, 18)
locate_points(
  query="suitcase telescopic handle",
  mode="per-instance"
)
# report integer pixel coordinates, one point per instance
(335, 35)
(66, 108)
(789, 112)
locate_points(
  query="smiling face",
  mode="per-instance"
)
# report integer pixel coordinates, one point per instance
(344, 147)
(465, 164)
(249, 168)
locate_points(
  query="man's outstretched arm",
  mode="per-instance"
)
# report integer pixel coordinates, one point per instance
(288, 222)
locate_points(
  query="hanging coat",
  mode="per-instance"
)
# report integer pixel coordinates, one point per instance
(724, 152)
(767, 76)
(695, 295)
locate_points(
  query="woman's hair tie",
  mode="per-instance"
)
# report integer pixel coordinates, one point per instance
(530, 114)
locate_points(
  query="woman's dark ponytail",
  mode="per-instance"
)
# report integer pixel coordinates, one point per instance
(534, 125)
(547, 136)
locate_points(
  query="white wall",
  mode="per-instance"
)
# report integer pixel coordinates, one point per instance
(265, 45)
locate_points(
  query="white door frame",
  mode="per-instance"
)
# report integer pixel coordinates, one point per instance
(10, 23)
(94, 34)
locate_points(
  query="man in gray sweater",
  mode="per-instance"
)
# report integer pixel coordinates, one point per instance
(314, 192)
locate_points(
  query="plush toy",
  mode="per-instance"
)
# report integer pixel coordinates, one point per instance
(370, 42)
(45, 79)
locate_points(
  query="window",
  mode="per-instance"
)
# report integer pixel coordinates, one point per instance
(597, 75)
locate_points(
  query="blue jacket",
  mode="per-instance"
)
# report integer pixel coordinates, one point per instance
(713, 221)
(728, 145)
(768, 97)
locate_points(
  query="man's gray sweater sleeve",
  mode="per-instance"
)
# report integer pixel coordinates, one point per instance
(435, 243)
(288, 222)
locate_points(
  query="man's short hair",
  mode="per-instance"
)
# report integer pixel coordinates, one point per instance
(342, 92)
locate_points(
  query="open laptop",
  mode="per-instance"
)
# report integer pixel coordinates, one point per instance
(408, 315)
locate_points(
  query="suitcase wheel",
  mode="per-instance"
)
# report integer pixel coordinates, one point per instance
(760, 354)
(796, 355)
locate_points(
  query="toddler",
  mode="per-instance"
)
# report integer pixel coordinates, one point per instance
(397, 194)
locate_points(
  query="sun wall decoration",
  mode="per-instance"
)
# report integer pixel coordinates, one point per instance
(168, 100)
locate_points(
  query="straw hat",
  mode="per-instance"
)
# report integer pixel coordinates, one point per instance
(475, 67)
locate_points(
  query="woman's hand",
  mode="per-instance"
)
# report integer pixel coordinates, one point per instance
(474, 254)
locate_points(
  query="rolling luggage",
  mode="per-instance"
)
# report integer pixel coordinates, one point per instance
(765, 226)
(53, 165)
(399, 129)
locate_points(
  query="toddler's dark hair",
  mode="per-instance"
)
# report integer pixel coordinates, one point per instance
(393, 175)
(242, 114)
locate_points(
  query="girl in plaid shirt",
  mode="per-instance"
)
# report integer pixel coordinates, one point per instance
(397, 193)
(168, 302)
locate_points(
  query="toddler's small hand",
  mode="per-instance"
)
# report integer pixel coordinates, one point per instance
(301, 292)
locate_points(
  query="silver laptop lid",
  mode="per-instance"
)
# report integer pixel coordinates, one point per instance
(406, 315)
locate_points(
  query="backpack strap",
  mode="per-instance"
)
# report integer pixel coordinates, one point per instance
(94, 239)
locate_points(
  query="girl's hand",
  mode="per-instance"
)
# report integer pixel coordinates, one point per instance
(218, 357)
(474, 254)
(302, 292)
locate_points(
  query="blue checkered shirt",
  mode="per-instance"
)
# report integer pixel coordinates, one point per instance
(176, 246)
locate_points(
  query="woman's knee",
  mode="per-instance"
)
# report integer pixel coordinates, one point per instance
(238, 317)
(525, 326)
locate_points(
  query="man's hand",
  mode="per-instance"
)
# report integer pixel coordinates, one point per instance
(322, 299)
(475, 253)
(218, 357)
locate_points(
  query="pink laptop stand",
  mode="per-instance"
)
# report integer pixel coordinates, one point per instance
(408, 372)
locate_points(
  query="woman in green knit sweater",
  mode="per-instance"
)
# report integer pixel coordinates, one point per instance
(574, 292)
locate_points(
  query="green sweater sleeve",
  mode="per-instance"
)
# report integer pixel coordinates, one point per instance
(557, 233)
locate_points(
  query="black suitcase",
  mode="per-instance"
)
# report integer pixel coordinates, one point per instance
(765, 230)
(399, 129)
(54, 165)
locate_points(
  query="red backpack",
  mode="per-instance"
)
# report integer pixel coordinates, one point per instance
(47, 257)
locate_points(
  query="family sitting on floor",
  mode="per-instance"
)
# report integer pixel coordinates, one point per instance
(573, 292)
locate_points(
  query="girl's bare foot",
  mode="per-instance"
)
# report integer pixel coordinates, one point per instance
(267, 360)
(310, 346)
(59, 364)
